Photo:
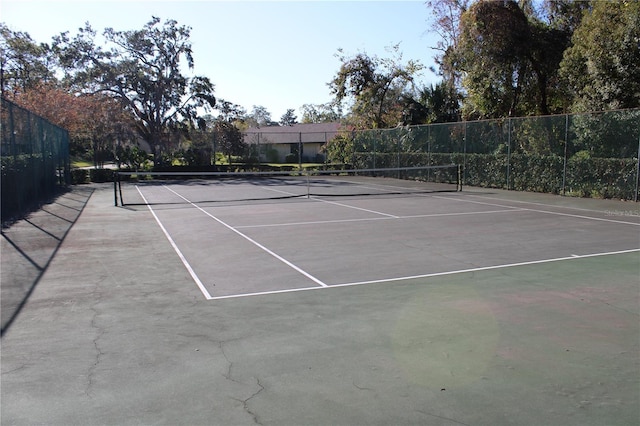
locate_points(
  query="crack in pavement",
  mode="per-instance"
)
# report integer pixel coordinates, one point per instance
(100, 333)
(361, 387)
(441, 417)
(99, 354)
(228, 376)
(245, 402)
(229, 363)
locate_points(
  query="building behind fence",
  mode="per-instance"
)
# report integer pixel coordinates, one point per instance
(35, 159)
(589, 155)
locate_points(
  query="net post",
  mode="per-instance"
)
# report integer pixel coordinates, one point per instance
(459, 177)
(120, 190)
(115, 188)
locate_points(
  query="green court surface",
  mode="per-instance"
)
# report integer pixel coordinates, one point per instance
(482, 307)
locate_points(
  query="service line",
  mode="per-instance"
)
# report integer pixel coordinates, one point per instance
(367, 219)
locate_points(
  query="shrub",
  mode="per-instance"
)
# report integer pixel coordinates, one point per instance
(79, 176)
(101, 175)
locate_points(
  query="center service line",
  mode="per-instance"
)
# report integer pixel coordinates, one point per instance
(252, 241)
(340, 204)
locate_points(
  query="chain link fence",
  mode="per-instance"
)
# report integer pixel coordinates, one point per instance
(35, 159)
(588, 155)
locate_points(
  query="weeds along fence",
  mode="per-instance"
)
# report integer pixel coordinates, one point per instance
(587, 155)
(35, 159)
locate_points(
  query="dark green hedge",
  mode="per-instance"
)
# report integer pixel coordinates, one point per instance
(81, 176)
(585, 177)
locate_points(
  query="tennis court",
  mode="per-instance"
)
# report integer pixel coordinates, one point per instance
(244, 301)
(334, 231)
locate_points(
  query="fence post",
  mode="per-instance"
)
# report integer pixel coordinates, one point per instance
(300, 150)
(398, 152)
(509, 153)
(566, 143)
(635, 195)
(464, 153)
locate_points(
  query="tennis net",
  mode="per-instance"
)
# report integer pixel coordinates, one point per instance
(150, 188)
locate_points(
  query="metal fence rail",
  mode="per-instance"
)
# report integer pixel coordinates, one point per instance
(35, 159)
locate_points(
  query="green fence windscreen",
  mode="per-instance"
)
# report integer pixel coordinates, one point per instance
(35, 159)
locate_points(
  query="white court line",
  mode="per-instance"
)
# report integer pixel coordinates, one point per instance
(395, 279)
(535, 203)
(186, 264)
(252, 241)
(488, 268)
(435, 274)
(357, 208)
(543, 211)
(419, 216)
(337, 204)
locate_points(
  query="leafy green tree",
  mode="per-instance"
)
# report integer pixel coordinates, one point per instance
(258, 117)
(564, 15)
(601, 68)
(229, 111)
(340, 149)
(229, 139)
(446, 24)
(143, 70)
(441, 102)
(489, 54)
(289, 118)
(503, 57)
(374, 86)
(509, 58)
(321, 113)
(24, 64)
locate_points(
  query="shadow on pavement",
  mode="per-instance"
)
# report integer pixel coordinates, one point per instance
(29, 245)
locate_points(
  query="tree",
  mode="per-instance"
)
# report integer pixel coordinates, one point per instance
(229, 139)
(509, 59)
(289, 118)
(143, 70)
(441, 103)
(259, 117)
(374, 86)
(96, 123)
(321, 113)
(601, 68)
(229, 111)
(446, 25)
(24, 64)
(565, 15)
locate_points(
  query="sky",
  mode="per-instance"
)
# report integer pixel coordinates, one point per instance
(275, 54)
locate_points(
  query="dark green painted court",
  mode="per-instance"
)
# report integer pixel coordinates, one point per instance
(479, 307)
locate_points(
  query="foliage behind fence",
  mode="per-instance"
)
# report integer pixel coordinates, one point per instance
(592, 155)
(35, 159)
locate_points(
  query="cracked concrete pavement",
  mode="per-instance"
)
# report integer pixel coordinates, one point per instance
(116, 333)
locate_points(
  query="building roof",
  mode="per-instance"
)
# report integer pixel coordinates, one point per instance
(306, 133)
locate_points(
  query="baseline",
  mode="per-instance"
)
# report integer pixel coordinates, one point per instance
(435, 274)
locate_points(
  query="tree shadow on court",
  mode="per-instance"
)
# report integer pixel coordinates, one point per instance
(30, 244)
